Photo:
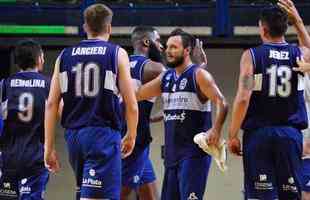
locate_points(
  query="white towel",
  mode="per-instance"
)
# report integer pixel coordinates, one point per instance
(217, 152)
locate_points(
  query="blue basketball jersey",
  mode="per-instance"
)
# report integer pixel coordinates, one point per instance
(144, 138)
(277, 98)
(88, 79)
(185, 115)
(23, 105)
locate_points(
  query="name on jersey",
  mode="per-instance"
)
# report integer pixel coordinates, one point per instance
(279, 55)
(27, 83)
(89, 51)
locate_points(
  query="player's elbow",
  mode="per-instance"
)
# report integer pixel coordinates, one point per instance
(243, 99)
(223, 104)
(132, 109)
(50, 105)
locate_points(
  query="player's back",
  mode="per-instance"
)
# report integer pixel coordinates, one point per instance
(277, 98)
(88, 77)
(137, 63)
(23, 103)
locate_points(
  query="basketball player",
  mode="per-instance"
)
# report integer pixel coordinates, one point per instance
(270, 108)
(137, 169)
(87, 77)
(187, 91)
(23, 174)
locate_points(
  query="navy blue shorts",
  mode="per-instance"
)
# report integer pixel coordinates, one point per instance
(137, 169)
(272, 163)
(95, 156)
(29, 188)
(186, 180)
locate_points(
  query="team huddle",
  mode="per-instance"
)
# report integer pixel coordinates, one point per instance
(104, 99)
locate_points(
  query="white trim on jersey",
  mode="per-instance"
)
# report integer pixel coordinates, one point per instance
(301, 83)
(4, 109)
(258, 82)
(63, 79)
(110, 82)
(184, 101)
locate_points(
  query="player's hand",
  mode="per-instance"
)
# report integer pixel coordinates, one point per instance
(213, 137)
(302, 66)
(199, 55)
(234, 146)
(128, 143)
(289, 7)
(51, 160)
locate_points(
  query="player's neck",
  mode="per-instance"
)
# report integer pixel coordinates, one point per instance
(104, 37)
(181, 68)
(30, 70)
(274, 40)
(139, 53)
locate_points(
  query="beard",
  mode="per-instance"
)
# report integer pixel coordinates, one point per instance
(177, 61)
(154, 54)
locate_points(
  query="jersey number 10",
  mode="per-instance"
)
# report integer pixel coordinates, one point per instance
(86, 79)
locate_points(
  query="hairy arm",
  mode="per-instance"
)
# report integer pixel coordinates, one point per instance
(209, 89)
(242, 99)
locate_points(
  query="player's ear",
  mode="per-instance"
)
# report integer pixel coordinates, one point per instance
(146, 42)
(188, 50)
(109, 29)
(85, 28)
(40, 62)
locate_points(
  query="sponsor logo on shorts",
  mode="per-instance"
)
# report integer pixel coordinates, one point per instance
(291, 187)
(92, 182)
(7, 191)
(25, 190)
(24, 181)
(7, 185)
(136, 179)
(262, 177)
(89, 182)
(192, 196)
(92, 172)
(263, 184)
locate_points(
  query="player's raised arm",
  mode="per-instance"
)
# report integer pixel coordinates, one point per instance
(210, 90)
(241, 102)
(294, 17)
(51, 113)
(130, 102)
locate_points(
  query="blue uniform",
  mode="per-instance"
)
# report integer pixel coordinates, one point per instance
(185, 115)
(91, 117)
(137, 168)
(272, 140)
(23, 104)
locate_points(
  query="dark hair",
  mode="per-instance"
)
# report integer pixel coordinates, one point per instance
(276, 20)
(141, 32)
(188, 40)
(97, 16)
(26, 53)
